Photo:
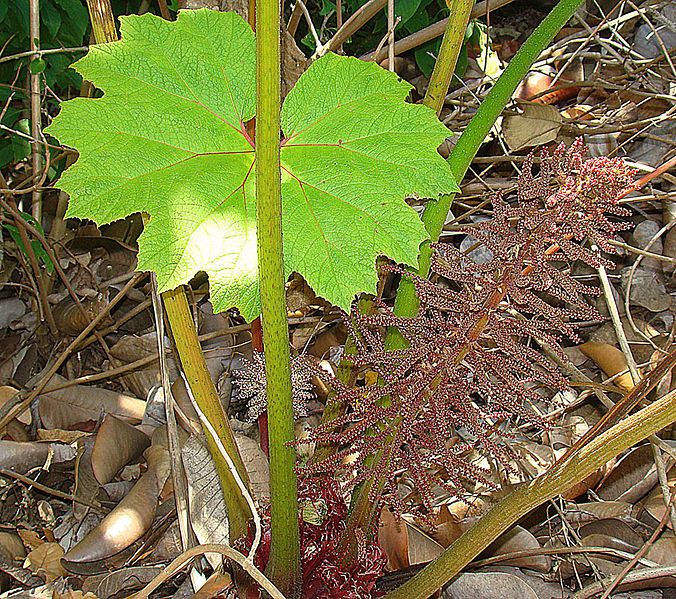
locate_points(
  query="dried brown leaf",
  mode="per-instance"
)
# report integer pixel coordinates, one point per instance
(132, 517)
(137, 347)
(539, 124)
(11, 545)
(256, 464)
(663, 550)
(66, 407)
(214, 587)
(87, 488)
(580, 513)
(612, 542)
(60, 435)
(489, 585)
(654, 503)
(30, 538)
(520, 539)
(7, 393)
(208, 511)
(120, 582)
(584, 485)
(117, 444)
(24, 456)
(45, 561)
(393, 540)
(609, 359)
(422, 547)
(447, 528)
(616, 529)
(631, 478)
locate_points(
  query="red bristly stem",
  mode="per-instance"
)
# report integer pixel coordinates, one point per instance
(643, 181)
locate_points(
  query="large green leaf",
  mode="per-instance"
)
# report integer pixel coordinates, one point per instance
(168, 138)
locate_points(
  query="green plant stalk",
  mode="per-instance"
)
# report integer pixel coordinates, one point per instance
(434, 215)
(190, 350)
(202, 387)
(362, 511)
(442, 75)
(451, 44)
(518, 503)
(284, 564)
(103, 21)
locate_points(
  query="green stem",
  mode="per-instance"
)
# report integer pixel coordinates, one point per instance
(284, 563)
(518, 503)
(473, 136)
(406, 302)
(202, 387)
(451, 44)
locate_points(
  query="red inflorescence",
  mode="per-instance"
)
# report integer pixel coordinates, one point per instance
(322, 521)
(250, 386)
(474, 360)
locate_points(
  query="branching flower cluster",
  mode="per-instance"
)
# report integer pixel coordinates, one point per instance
(250, 386)
(474, 361)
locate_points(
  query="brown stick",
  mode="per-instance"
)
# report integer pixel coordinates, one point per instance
(35, 266)
(362, 16)
(36, 110)
(294, 19)
(49, 491)
(57, 267)
(428, 33)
